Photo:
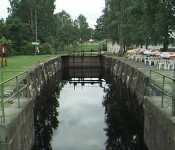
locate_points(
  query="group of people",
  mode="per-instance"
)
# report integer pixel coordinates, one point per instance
(153, 52)
(3, 54)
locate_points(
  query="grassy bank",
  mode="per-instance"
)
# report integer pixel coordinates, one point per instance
(17, 64)
(87, 47)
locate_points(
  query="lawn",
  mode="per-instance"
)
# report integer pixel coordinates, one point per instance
(87, 47)
(17, 64)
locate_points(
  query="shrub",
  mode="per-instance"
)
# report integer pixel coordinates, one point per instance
(46, 48)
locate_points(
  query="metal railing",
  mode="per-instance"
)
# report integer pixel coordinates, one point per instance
(11, 92)
(159, 81)
(83, 52)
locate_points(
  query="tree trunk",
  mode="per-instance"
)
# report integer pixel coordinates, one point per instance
(166, 41)
(147, 43)
(165, 44)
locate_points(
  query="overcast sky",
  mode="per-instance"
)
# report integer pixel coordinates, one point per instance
(4, 4)
(91, 9)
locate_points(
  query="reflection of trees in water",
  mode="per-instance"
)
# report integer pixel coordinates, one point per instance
(124, 119)
(45, 115)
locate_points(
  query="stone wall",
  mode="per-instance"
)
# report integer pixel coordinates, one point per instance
(81, 62)
(19, 133)
(134, 79)
(159, 128)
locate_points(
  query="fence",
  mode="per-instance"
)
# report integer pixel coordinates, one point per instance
(11, 91)
(83, 52)
(165, 85)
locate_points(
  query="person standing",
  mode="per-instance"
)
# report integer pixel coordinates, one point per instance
(3, 55)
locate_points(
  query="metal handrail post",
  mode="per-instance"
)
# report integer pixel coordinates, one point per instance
(173, 98)
(173, 105)
(2, 103)
(163, 88)
(150, 73)
(18, 94)
(2, 98)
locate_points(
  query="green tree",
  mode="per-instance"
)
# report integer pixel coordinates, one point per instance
(19, 33)
(139, 22)
(165, 22)
(100, 32)
(32, 11)
(66, 32)
(84, 30)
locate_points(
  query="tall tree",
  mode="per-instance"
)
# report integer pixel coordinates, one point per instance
(66, 32)
(100, 32)
(138, 22)
(32, 11)
(165, 21)
(84, 30)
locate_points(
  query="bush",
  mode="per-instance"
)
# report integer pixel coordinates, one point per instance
(46, 48)
(28, 48)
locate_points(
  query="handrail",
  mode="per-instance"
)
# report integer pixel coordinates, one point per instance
(17, 90)
(12, 78)
(162, 89)
(92, 51)
(156, 72)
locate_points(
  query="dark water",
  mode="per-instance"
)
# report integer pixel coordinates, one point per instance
(83, 115)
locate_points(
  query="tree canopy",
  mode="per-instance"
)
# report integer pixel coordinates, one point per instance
(140, 22)
(34, 20)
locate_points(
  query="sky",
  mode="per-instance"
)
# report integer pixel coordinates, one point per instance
(4, 4)
(91, 9)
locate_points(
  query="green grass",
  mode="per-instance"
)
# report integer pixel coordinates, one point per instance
(23, 63)
(87, 46)
(17, 64)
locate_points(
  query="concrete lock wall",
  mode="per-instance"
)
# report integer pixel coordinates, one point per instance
(159, 130)
(19, 133)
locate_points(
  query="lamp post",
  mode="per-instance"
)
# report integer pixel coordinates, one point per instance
(36, 43)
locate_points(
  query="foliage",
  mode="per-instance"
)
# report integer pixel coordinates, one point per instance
(140, 22)
(84, 30)
(5, 41)
(46, 48)
(55, 32)
(66, 31)
(100, 33)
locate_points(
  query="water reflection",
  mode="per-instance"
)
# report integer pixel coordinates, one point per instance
(84, 123)
(46, 115)
(81, 116)
(124, 119)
